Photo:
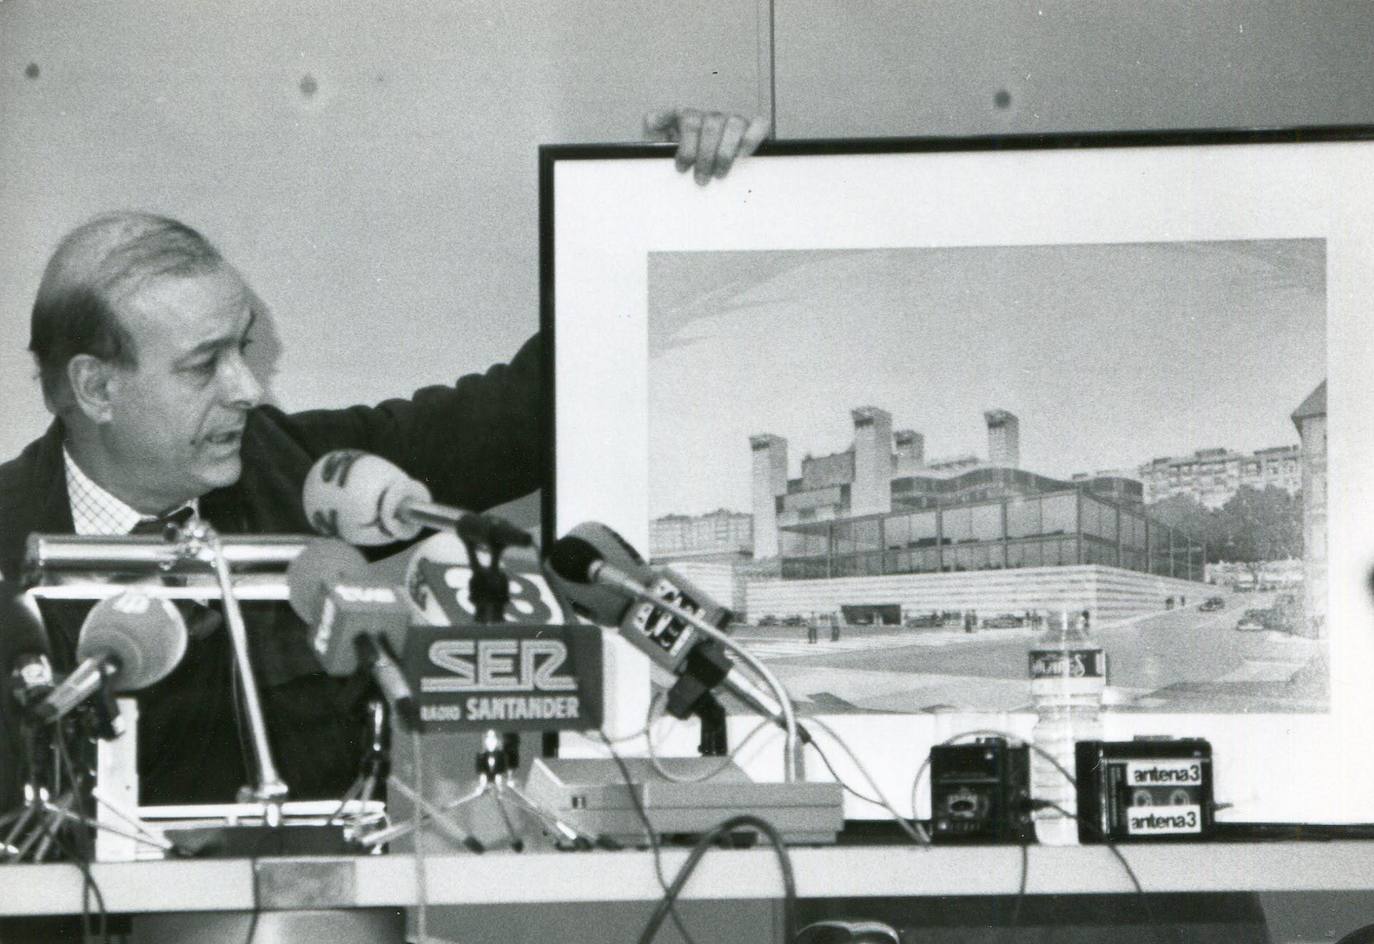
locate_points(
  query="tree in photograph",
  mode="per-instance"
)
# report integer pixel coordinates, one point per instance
(1256, 526)
(1185, 513)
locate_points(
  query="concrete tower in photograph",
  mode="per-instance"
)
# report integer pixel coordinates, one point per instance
(769, 483)
(871, 491)
(1004, 439)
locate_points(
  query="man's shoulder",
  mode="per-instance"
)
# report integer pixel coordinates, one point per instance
(26, 482)
(29, 471)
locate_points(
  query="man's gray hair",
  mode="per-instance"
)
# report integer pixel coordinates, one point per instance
(95, 268)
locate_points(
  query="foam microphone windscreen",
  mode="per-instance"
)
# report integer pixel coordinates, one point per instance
(21, 626)
(320, 564)
(571, 557)
(145, 636)
(370, 608)
(360, 498)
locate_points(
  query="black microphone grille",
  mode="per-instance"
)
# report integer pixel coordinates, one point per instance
(572, 558)
(21, 625)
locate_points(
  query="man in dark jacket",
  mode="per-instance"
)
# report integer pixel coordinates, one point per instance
(139, 330)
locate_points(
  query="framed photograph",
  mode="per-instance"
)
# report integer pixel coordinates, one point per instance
(909, 406)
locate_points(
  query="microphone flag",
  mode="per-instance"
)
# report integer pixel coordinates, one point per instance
(539, 671)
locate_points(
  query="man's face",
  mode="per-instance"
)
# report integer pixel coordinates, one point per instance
(177, 417)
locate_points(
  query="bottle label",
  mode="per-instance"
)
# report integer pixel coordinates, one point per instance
(1067, 663)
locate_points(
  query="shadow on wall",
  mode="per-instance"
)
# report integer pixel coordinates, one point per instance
(264, 353)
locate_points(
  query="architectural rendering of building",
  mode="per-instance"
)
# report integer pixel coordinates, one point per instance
(870, 511)
(1310, 419)
(1212, 476)
(716, 535)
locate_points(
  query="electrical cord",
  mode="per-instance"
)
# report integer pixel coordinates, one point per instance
(418, 825)
(79, 851)
(699, 851)
(1168, 932)
(1021, 886)
(840, 780)
(649, 832)
(911, 827)
(88, 886)
(916, 833)
(667, 774)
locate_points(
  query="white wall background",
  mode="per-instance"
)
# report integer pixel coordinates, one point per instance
(371, 166)
(918, 67)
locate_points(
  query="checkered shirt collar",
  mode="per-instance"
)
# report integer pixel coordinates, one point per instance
(96, 512)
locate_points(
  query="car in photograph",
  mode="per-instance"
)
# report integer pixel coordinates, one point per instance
(1282, 619)
(1003, 621)
(1212, 604)
(1252, 622)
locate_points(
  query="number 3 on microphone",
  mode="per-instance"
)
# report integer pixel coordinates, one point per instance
(531, 601)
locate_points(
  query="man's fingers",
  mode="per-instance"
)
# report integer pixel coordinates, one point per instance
(661, 125)
(712, 131)
(755, 135)
(730, 139)
(689, 134)
(708, 142)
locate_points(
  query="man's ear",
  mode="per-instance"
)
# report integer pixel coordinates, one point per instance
(91, 380)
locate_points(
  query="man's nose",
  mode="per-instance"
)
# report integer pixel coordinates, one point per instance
(241, 386)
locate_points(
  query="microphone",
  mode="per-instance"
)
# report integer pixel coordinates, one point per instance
(367, 500)
(129, 642)
(654, 618)
(320, 563)
(26, 647)
(438, 580)
(358, 620)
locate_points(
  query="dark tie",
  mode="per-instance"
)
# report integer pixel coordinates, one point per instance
(201, 620)
(159, 525)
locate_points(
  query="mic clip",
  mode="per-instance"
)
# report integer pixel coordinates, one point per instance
(102, 720)
(485, 538)
(94, 716)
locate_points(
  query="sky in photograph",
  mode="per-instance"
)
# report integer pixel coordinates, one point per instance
(1110, 355)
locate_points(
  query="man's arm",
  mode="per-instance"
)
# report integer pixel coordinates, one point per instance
(476, 444)
(481, 442)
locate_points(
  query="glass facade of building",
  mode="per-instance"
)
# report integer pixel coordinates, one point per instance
(1020, 530)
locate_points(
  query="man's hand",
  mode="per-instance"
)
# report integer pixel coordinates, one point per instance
(707, 141)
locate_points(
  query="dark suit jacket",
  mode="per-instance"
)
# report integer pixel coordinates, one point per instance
(475, 444)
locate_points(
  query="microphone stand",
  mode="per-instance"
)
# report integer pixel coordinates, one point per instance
(374, 770)
(494, 765)
(792, 754)
(201, 542)
(485, 540)
(49, 805)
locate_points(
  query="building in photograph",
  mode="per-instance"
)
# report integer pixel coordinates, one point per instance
(1212, 476)
(717, 535)
(1310, 419)
(870, 511)
(876, 533)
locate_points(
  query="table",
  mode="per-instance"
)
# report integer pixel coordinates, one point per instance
(508, 880)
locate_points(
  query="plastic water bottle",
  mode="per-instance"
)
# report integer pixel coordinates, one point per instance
(1068, 673)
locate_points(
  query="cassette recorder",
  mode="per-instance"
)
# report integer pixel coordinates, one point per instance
(1144, 790)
